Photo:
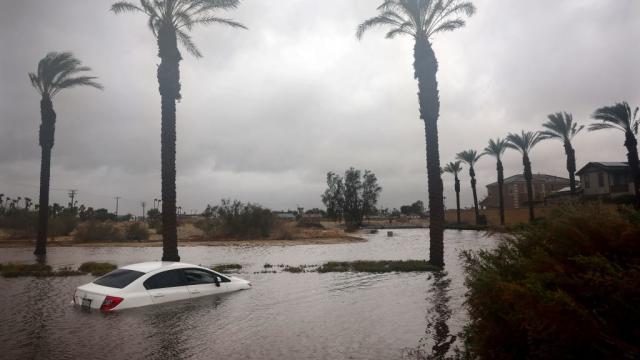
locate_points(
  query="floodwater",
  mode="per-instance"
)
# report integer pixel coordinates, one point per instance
(284, 315)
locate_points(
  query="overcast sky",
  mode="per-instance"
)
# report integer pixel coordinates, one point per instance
(269, 111)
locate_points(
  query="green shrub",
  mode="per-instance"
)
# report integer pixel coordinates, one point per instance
(565, 287)
(240, 220)
(94, 230)
(137, 231)
(96, 268)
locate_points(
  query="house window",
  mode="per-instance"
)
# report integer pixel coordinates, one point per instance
(600, 179)
(586, 181)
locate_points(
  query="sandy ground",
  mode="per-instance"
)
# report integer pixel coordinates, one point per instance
(188, 235)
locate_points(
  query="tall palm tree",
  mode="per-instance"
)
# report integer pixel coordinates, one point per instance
(455, 168)
(470, 157)
(422, 19)
(170, 22)
(620, 117)
(524, 143)
(496, 148)
(56, 72)
(561, 126)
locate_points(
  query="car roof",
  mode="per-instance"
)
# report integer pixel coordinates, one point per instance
(147, 267)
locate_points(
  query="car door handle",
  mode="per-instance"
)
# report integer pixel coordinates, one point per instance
(195, 292)
(158, 295)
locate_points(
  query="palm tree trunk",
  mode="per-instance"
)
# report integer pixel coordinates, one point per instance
(169, 81)
(426, 67)
(571, 166)
(528, 176)
(500, 190)
(457, 187)
(46, 137)
(632, 157)
(472, 174)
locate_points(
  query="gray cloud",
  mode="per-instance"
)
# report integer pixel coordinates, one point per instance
(267, 112)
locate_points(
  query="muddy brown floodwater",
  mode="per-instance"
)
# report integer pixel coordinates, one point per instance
(284, 315)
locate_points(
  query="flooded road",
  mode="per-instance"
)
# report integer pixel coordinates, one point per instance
(284, 315)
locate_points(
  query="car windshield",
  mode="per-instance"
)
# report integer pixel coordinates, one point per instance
(118, 278)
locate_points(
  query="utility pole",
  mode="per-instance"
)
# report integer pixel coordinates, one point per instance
(117, 199)
(143, 205)
(72, 195)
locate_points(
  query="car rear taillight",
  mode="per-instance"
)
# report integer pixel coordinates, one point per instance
(110, 302)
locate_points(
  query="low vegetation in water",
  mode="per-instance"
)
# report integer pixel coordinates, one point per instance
(380, 266)
(42, 270)
(96, 268)
(226, 267)
(564, 287)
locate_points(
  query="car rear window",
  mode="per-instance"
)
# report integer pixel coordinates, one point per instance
(118, 278)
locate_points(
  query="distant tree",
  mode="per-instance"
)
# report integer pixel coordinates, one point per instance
(417, 208)
(353, 197)
(333, 196)
(370, 193)
(27, 203)
(620, 117)
(455, 168)
(170, 22)
(56, 72)
(560, 126)
(470, 157)
(421, 19)
(316, 211)
(524, 143)
(496, 148)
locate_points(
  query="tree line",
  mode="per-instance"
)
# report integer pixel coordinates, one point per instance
(559, 126)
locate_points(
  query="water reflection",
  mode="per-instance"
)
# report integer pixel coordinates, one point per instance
(437, 342)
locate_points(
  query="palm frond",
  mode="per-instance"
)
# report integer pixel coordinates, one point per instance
(55, 73)
(453, 167)
(125, 6)
(619, 115)
(188, 44)
(496, 148)
(470, 157)
(525, 141)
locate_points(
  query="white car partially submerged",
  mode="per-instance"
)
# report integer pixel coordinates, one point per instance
(153, 283)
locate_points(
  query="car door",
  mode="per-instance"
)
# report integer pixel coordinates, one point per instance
(166, 286)
(201, 282)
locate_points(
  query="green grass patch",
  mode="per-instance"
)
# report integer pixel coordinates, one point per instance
(268, 266)
(226, 267)
(96, 268)
(294, 269)
(16, 270)
(380, 266)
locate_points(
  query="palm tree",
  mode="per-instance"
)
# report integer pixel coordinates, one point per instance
(470, 157)
(422, 19)
(56, 72)
(561, 126)
(620, 117)
(170, 22)
(455, 168)
(524, 143)
(496, 148)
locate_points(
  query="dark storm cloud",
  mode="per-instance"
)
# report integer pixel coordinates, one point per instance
(267, 112)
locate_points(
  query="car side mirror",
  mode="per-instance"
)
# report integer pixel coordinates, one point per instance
(216, 279)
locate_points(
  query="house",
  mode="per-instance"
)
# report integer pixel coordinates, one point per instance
(515, 190)
(606, 179)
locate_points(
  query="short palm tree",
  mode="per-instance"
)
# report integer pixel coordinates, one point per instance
(455, 168)
(620, 117)
(56, 72)
(422, 19)
(470, 157)
(496, 148)
(170, 22)
(561, 126)
(524, 143)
